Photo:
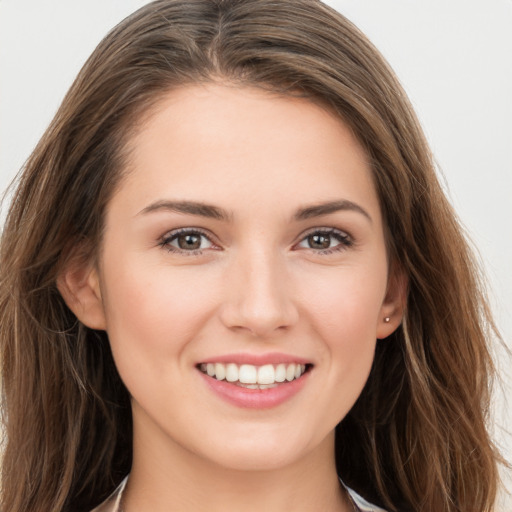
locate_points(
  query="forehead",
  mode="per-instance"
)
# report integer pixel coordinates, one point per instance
(206, 141)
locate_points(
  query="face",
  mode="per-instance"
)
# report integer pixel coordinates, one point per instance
(243, 277)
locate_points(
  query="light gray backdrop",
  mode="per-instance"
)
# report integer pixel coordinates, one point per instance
(454, 58)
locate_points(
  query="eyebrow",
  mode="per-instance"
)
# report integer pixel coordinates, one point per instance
(214, 212)
(330, 207)
(188, 207)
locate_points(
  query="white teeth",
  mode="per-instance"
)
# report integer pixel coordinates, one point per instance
(254, 377)
(267, 386)
(280, 373)
(231, 372)
(266, 374)
(248, 374)
(256, 386)
(290, 372)
(220, 371)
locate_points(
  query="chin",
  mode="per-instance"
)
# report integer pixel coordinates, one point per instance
(262, 451)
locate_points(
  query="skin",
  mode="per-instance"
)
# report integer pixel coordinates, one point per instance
(258, 285)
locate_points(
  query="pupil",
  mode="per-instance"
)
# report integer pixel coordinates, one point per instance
(189, 242)
(319, 241)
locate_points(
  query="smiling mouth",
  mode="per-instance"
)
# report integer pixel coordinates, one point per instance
(255, 377)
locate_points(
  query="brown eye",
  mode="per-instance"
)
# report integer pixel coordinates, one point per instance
(186, 241)
(189, 242)
(326, 241)
(319, 241)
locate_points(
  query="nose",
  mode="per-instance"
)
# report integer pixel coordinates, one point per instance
(258, 295)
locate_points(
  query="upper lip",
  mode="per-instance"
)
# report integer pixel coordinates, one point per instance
(256, 359)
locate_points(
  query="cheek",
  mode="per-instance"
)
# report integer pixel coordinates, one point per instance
(150, 308)
(344, 309)
(347, 300)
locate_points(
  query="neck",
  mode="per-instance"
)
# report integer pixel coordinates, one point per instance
(176, 476)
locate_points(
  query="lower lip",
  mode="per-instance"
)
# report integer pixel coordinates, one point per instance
(255, 398)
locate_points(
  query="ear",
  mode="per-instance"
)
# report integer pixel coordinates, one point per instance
(79, 286)
(393, 307)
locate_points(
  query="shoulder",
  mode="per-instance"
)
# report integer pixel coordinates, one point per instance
(111, 504)
(362, 504)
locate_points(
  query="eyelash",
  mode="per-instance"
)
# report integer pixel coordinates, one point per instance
(344, 239)
(174, 235)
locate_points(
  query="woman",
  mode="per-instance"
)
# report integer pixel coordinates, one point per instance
(229, 272)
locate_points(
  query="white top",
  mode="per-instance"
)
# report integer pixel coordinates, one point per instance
(112, 503)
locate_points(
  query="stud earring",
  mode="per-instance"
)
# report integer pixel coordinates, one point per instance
(387, 319)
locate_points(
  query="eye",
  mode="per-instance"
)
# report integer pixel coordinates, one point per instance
(326, 240)
(186, 241)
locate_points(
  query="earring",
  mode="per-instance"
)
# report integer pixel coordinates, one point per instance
(387, 319)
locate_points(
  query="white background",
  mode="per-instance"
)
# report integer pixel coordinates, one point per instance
(454, 58)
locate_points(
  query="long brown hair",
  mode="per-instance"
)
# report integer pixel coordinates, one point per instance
(416, 438)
